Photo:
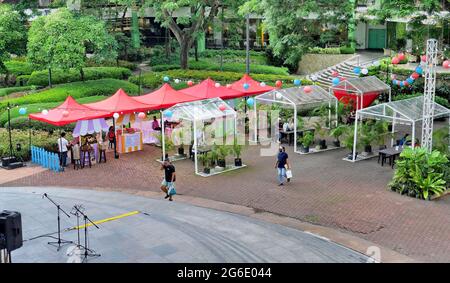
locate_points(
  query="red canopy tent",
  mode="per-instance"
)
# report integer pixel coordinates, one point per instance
(120, 103)
(254, 86)
(207, 89)
(68, 112)
(165, 97)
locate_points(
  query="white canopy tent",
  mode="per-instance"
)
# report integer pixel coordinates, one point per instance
(361, 86)
(296, 98)
(199, 111)
(407, 111)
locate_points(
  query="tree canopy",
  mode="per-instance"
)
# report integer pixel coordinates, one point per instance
(12, 34)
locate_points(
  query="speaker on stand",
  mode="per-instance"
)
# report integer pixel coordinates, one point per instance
(10, 234)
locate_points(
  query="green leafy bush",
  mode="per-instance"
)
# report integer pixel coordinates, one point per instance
(9, 90)
(112, 63)
(18, 67)
(38, 107)
(319, 50)
(104, 87)
(347, 50)
(421, 174)
(90, 73)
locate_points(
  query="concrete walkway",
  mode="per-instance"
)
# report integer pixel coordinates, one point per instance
(162, 232)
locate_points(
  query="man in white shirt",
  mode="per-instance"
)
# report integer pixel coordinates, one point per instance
(62, 146)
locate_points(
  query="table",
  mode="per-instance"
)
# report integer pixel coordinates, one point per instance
(289, 134)
(390, 152)
(200, 150)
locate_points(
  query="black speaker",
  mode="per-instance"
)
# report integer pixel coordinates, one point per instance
(11, 230)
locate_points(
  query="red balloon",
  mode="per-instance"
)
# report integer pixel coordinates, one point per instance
(65, 113)
(423, 58)
(142, 115)
(278, 83)
(405, 83)
(415, 75)
(446, 64)
(307, 89)
(222, 107)
(334, 74)
(190, 83)
(401, 56)
(395, 60)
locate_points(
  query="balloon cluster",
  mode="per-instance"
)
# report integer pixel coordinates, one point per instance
(358, 71)
(410, 80)
(397, 59)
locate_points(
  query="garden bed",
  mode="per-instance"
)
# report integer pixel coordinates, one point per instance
(228, 168)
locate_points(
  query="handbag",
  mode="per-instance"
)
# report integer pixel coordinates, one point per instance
(289, 173)
(172, 191)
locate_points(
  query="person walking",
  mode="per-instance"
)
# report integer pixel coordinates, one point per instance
(168, 183)
(282, 164)
(63, 148)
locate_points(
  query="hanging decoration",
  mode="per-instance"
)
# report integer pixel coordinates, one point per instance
(22, 111)
(65, 113)
(334, 74)
(142, 115)
(246, 86)
(263, 84)
(168, 114)
(116, 115)
(364, 71)
(297, 82)
(335, 81)
(44, 112)
(217, 85)
(166, 78)
(250, 102)
(177, 81)
(222, 107)
(357, 70)
(190, 83)
(446, 64)
(278, 83)
(410, 80)
(307, 89)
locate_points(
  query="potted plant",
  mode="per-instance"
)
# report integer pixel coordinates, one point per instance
(181, 144)
(237, 149)
(381, 131)
(348, 142)
(367, 136)
(337, 133)
(322, 133)
(222, 152)
(206, 161)
(306, 141)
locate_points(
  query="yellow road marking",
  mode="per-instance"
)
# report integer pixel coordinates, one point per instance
(106, 220)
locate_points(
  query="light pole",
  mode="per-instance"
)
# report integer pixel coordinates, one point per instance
(247, 45)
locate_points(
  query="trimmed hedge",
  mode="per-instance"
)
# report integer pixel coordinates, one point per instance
(9, 90)
(113, 63)
(347, 50)
(40, 78)
(153, 80)
(18, 68)
(227, 67)
(319, 50)
(104, 87)
(38, 107)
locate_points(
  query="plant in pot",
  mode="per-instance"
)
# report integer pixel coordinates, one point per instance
(348, 142)
(222, 152)
(180, 135)
(322, 132)
(381, 131)
(306, 141)
(367, 136)
(206, 162)
(237, 149)
(337, 133)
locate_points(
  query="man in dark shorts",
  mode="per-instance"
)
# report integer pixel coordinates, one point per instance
(281, 165)
(168, 181)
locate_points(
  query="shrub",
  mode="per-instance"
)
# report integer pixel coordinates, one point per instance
(90, 73)
(22, 80)
(112, 63)
(104, 87)
(319, 50)
(17, 67)
(9, 90)
(347, 50)
(38, 107)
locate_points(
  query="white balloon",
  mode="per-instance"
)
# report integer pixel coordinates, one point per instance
(364, 71)
(116, 115)
(44, 112)
(263, 84)
(376, 63)
(177, 81)
(217, 85)
(314, 78)
(278, 95)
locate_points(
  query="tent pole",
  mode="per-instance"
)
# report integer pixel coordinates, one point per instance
(29, 133)
(329, 114)
(163, 138)
(195, 147)
(336, 113)
(255, 121)
(116, 156)
(393, 129)
(295, 128)
(355, 137)
(389, 95)
(413, 141)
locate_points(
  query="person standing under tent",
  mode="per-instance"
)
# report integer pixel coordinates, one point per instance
(168, 182)
(155, 124)
(63, 145)
(282, 164)
(111, 137)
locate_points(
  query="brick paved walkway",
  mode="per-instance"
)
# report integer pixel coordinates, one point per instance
(325, 191)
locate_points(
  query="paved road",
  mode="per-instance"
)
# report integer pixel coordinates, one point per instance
(163, 231)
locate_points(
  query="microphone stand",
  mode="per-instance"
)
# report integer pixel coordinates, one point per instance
(60, 242)
(87, 252)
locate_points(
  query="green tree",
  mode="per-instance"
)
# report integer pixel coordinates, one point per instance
(12, 35)
(62, 40)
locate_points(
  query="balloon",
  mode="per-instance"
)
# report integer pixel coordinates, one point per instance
(65, 113)
(335, 81)
(307, 89)
(393, 76)
(168, 114)
(190, 83)
(263, 84)
(314, 78)
(405, 83)
(166, 78)
(246, 86)
(222, 107)
(334, 74)
(402, 84)
(376, 63)
(446, 64)
(116, 115)
(419, 70)
(177, 81)
(22, 111)
(357, 70)
(410, 80)
(415, 75)
(278, 83)
(401, 56)
(394, 82)
(395, 60)
(297, 82)
(217, 85)
(250, 102)
(364, 71)
(278, 95)
(423, 58)
(142, 115)
(44, 112)
(228, 85)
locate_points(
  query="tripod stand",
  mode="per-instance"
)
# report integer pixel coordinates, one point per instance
(60, 242)
(87, 252)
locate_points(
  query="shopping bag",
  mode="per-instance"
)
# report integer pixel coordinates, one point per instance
(288, 173)
(172, 191)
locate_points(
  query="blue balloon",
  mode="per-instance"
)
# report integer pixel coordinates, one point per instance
(402, 84)
(335, 81)
(168, 114)
(250, 102)
(246, 86)
(410, 80)
(394, 82)
(419, 70)
(166, 78)
(22, 111)
(297, 82)
(357, 70)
